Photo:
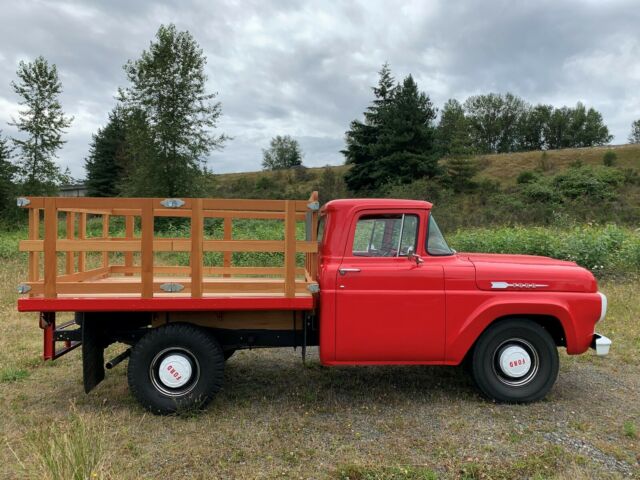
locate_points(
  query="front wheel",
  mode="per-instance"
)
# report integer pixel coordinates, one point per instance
(175, 367)
(515, 361)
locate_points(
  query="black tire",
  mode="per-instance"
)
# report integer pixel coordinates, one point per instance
(192, 364)
(228, 354)
(499, 364)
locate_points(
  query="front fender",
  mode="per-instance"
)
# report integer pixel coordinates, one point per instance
(464, 327)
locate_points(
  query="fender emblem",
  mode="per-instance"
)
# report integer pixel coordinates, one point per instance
(503, 285)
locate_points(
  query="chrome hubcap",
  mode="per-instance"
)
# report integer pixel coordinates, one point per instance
(174, 371)
(515, 362)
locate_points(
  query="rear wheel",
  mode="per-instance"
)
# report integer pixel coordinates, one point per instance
(175, 367)
(228, 354)
(515, 361)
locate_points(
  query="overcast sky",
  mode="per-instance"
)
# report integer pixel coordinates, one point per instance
(306, 68)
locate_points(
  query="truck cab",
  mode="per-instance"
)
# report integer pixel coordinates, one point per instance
(393, 292)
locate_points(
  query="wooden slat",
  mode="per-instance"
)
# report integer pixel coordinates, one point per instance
(92, 274)
(228, 225)
(180, 270)
(147, 249)
(49, 245)
(128, 234)
(313, 256)
(85, 210)
(105, 234)
(197, 232)
(94, 203)
(289, 250)
(258, 205)
(34, 233)
(256, 246)
(166, 245)
(82, 235)
(70, 256)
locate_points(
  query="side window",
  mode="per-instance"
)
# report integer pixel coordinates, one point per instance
(385, 235)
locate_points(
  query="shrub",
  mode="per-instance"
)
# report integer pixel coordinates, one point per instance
(609, 159)
(544, 162)
(540, 191)
(597, 183)
(527, 177)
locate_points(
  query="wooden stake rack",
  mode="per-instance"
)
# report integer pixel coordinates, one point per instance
(137, 276)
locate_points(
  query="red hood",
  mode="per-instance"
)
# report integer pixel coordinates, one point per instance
(529, 272)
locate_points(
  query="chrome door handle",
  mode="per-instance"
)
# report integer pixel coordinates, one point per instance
(344, 271)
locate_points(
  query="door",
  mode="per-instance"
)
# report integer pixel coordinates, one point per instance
(389, 308)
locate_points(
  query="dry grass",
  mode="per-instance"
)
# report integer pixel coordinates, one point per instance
(276, 418)
(503, 167)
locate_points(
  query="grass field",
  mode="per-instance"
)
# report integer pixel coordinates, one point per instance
(278, 418)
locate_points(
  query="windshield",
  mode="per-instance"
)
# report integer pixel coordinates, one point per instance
(436, 244)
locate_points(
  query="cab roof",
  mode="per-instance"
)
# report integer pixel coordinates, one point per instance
(349, 203)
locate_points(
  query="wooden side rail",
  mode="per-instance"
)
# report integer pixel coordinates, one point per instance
(143, 278)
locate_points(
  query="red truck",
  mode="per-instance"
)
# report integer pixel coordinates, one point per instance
(369, 281)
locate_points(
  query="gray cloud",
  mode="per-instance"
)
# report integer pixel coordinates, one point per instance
(305, 68)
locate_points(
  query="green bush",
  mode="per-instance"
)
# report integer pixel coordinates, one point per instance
(589, 182)
(609, 159)
(527, 177)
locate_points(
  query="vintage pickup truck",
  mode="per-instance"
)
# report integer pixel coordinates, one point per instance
(370, 281)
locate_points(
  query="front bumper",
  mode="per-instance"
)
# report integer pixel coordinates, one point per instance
(603, 306)
(600, 344)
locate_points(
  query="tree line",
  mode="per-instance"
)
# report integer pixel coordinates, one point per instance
(399, 140)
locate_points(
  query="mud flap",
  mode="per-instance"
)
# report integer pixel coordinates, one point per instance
(92, 353)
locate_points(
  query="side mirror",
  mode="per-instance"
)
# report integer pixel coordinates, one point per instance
(411, 256)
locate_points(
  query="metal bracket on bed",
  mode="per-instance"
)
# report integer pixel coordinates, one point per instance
(53, 334)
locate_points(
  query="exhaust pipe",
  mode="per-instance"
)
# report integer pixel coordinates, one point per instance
(116, 360)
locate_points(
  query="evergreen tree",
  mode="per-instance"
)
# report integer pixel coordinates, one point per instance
(456, 144)
(168, 94)
(283, 152)
(362, 136)
(42, 123)
(7, 180)
(396, 141)
(106, 159)
(405, 149)
(634, 136)
(453, 132)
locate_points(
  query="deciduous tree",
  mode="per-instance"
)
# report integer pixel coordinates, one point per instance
(634, 136)
(42, 122)
(283, 152)
(169, 100)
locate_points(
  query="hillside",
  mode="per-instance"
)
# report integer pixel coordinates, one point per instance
(503, 167)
